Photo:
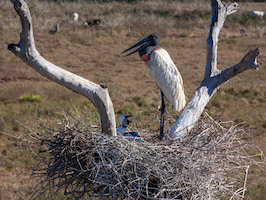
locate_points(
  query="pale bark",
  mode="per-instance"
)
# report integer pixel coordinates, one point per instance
(26, 51)
(213, 78)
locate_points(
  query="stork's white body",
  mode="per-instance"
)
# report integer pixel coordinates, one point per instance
(168, 78)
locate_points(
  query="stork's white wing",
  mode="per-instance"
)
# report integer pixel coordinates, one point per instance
(168, 78)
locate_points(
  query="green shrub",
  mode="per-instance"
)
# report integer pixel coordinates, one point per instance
(30, 98)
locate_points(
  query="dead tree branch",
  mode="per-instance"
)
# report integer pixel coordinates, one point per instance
(27, 52)
(214, 77)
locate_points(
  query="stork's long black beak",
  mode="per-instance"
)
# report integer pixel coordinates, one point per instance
(127, 116)
(139, 43)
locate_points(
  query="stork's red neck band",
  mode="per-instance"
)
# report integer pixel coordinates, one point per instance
(147, 57)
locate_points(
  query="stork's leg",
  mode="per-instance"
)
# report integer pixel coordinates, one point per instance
(162, 116)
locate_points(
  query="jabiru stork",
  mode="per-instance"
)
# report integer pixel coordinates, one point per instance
(124, 121)
(163, 72)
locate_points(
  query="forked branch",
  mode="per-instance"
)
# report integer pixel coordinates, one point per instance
(26, 51)
(213, 78)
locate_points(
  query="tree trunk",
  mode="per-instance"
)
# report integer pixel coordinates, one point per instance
(26, 51)
(213, 78)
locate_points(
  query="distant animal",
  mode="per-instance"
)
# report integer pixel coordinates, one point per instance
(164, 72)
(128, 32)
(124, 121)
(256, 13)
(94, 22)
(56, 29)
(75, 17)
(242, 32)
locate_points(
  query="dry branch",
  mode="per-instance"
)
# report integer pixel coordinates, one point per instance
(213, 78)
(26, 51)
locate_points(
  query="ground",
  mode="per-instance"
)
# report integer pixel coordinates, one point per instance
(28, 100)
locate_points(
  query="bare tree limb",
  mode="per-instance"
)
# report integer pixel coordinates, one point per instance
(26, 51)
(219, 14)
(213, 78)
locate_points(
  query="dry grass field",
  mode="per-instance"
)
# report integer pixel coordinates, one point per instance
(28, 100)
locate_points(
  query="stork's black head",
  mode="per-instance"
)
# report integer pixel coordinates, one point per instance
(150, 43)
(124, 121)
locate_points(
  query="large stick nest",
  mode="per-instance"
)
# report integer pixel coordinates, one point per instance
(210, 163)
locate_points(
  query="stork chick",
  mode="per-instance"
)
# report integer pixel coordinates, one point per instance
(124, 121)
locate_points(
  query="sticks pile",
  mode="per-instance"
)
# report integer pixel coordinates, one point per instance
(79, 162)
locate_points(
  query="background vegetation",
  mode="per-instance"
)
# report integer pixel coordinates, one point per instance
(29, 101)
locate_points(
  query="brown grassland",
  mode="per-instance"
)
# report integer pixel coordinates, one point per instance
(28, 100)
